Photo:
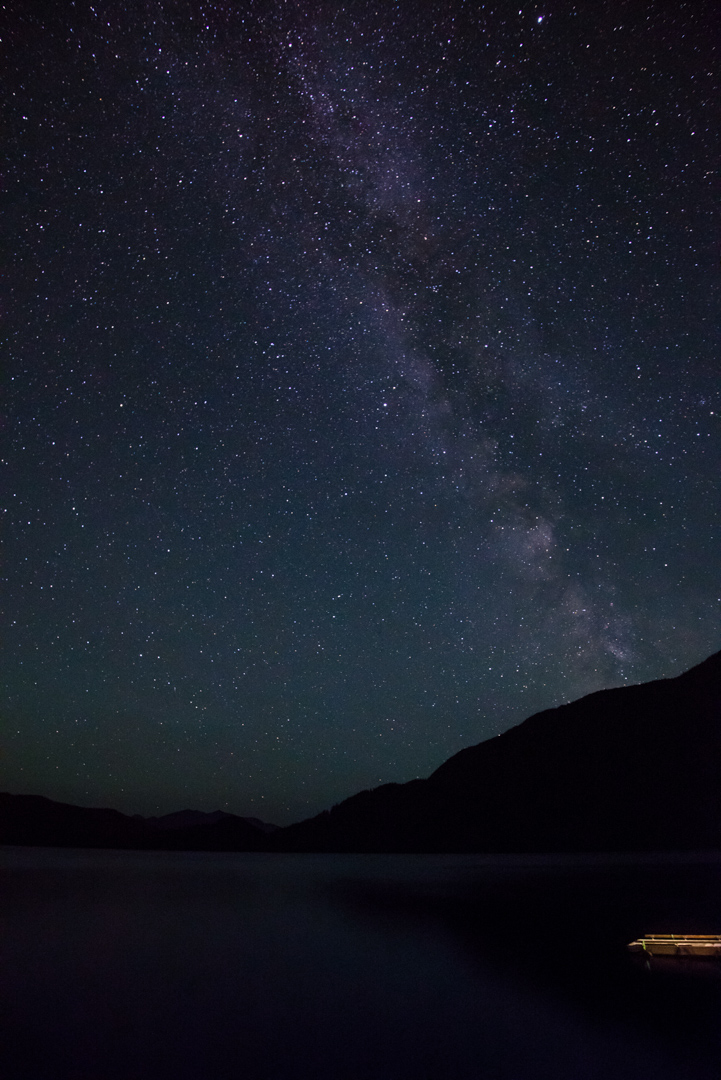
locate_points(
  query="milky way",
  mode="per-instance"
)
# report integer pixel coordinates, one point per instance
(363, 390)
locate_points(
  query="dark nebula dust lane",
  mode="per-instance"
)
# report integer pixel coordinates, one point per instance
(362, 395)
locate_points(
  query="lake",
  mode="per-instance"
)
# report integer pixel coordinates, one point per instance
(141, 966)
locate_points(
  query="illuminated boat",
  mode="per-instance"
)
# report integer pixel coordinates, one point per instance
(698, 945)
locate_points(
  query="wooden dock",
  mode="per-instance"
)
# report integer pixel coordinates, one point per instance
(697, 945)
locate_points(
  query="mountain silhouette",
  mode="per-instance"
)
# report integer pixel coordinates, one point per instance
(182, 819)
(35, 820)
(636, 768)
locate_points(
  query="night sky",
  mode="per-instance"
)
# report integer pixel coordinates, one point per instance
(361, 385)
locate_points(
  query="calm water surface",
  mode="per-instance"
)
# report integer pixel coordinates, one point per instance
(142, 966)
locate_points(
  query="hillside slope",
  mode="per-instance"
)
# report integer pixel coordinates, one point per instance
(635, 768)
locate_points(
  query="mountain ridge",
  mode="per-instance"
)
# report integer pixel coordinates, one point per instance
(623, 768)
(628, 768)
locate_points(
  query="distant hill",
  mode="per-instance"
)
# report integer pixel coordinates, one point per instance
(36, 821)
(182, 819)
(631, 769)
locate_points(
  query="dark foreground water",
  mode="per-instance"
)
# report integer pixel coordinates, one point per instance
(142, 966)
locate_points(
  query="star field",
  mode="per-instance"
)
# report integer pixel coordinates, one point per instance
(362, 388)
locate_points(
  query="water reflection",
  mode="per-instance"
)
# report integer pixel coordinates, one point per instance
(152, 965)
